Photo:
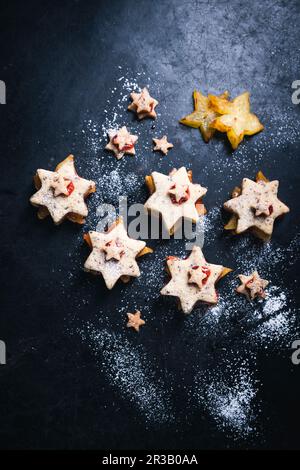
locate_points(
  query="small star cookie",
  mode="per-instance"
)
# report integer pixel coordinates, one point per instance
(114, 254)
(252, 286)
(193, 279)
(162, 145)
(61, 193)
(143, 104)
(203, 115)
(121, 142)
(135, 321)
(174, 197)
(256, 207)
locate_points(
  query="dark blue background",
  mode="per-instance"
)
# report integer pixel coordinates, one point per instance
(58, 59)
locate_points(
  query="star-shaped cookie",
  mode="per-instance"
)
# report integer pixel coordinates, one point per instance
(121, 142)
(113, 254)
(252, 286)
(203, 115)
(143, 104)
(61, 193)
(135, 321)
(193, 279)
(257, 207)
(162, 145)
(175, 197)
(236, 118)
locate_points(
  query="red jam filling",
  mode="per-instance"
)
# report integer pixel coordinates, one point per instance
(182, 199)
(70, 188)
(171, 258)
(270, 209)
(207, 272)
(125, 147)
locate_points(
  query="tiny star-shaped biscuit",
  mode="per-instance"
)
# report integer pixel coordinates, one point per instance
(174, 197)
(252, 286)
(135, 321)
(143, 104)
(60, 185)
(113, 254)
(61, 193)
(203, 115)
(162, 145)
(121, 142)
(197, 274)
(235, 118)
(193, 279)
(114, 249)
(257, 207)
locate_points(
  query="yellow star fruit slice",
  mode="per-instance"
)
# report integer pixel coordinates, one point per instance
(203, 115)
(236, 118)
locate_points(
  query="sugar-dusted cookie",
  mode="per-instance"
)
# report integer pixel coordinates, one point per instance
(252, 286)
(143, 104)
(255, 206)
(193, 279)
(162, 145)
(121, 142)
(174, 196)
(61, 193)
(114, 254)
(135, 321)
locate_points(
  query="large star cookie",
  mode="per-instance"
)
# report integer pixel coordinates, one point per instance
(236, 118)
(252, 286)
(174, 197)
(61, 193)
(114, 254)
(203, 115)
(193, 280)
(162, 145)
(143, 104)
(121, 142)
(256, 206)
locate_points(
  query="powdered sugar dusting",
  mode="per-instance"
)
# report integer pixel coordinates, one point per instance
(229, 398)
(226, 388)
(129, 371)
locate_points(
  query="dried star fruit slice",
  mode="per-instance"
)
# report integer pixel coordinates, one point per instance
(236, 119)
(203, 115)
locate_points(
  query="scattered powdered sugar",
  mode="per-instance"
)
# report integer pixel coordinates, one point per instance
(227, 390)
(229, 398)
(129, 370)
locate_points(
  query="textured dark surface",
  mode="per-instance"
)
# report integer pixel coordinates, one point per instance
(58, 60)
